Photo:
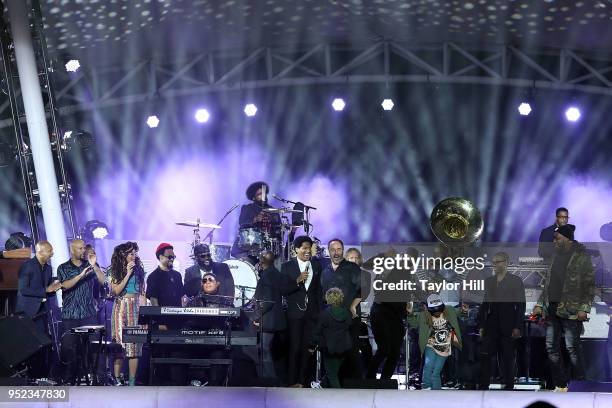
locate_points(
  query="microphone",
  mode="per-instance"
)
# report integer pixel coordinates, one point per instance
(305, 270)
(277, 197)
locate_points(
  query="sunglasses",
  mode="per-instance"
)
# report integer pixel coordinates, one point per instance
(170, 257)
(209, 280)
(204, 256)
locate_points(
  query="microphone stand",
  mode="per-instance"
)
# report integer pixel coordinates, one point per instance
(307, 208)
(209, 236)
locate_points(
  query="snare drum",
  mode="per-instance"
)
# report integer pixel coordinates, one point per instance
(245, 276)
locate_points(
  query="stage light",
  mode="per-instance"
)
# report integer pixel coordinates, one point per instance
(202, 115)
(81, 138)
(338, 104)
(250, 109)
(573, 114)
(94, 229)
(524, 109)
(73, 65)
(152, 121)
(387, 104)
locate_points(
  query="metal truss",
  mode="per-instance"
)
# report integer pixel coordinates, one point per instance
(20, 133)
(382, 62)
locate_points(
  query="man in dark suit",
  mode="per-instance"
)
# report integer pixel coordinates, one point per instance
(546, 247)
(271, 318)
(204, 265)
(36, 284)
(303, 296)
(500, 320)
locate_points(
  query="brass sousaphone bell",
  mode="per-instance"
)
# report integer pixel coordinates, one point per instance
(456, 222)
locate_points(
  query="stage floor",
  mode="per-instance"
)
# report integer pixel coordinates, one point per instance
(217, 397)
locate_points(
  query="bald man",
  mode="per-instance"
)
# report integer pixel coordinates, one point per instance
(77, 277)
(36, 284)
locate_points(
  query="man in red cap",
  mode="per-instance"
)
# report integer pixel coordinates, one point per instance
(165, 288)
(164, 284)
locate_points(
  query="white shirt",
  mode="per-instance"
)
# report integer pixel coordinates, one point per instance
(303, 265)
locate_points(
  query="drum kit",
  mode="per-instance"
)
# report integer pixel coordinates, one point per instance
(250, 242)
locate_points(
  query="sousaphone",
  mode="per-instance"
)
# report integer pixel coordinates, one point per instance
(456, 222)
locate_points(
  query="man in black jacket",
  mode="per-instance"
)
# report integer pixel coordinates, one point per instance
(546, 248)
(204, 265)
(500, 320)
(303, 306)
(270, 316)
(346, 276)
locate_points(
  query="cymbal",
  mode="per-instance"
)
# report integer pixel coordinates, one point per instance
(281, 210)
(194, 224)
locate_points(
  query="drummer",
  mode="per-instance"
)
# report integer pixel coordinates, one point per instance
(252, 215)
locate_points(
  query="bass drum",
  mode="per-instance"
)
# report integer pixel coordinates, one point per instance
(245, 277)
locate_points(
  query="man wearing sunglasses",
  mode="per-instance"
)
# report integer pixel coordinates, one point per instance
(164, 284)
(209, 294)
(165, 288)
(205, 265)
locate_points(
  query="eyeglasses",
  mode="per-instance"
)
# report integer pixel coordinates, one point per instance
(204, 256)
(170, 257)
(209, 280)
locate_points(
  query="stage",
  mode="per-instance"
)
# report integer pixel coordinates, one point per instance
(175, 397)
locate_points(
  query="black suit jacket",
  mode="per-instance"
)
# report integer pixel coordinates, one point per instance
(193, 280)
(32, 286)
(504, 305)
(297, 307)
(270, 288)
(546, 248)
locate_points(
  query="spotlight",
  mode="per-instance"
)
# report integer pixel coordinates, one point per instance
(81, 138)
(94, 229)
(202, 115)
(524, 109)
(387, 104)
(17, 240)
(250, 109)
(152, 121)
(73, 65)
(573, 114)
(338, 104)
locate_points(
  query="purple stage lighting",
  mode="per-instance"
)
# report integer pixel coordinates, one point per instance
(250, 109)
(387, 104)
(338, 104)
(202, 115)
(524, 109)
(73, 65)
(152, 121)
(573, 114)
